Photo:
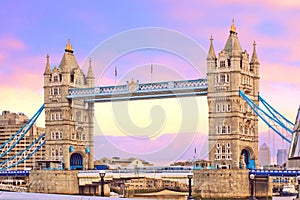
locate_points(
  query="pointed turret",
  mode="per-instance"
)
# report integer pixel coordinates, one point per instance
(47, 68)
(90, 75)
(69, 47)
(211, 51)
(254, 58)
(233, 40)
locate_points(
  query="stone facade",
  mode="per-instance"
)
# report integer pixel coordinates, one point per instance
(54, 182)
(69, 123)
(228, 184)
(233, 126)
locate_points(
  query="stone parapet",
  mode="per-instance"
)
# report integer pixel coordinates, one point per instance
(228, 184)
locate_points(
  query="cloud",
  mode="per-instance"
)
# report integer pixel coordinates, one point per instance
(9, 43)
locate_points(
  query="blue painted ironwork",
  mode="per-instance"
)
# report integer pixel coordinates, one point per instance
(136, 90)
(279, 117)
(24, 154)
(14, 173)
(291, 173)
(256, 109)
(14, 140)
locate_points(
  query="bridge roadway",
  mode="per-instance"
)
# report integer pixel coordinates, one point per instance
(174, 175)
(137, 91)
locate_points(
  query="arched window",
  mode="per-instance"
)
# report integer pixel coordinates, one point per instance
(55, 78)
(60, 135)
(83, 137)
(222, 63)
(60, 151)
(228, 108)
(228, 129)
(78, 116)
(223, 129)
(52, 136)
(52, 152)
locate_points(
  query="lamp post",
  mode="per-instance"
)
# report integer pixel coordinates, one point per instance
(126, 189)
(298, 181)
(252, 177)
(190, 176)
(102, 174)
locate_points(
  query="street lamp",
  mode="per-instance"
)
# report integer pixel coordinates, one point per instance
(298, 181)
(190, 176)
(252, 177)
(102, 174)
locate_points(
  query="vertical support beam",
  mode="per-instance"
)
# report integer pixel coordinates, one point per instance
(91, 135)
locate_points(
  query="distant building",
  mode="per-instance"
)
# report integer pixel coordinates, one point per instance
(264, 156)
(123, 163)
(10, 123)
(282, 156)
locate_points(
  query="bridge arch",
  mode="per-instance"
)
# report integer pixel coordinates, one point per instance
(76, 161)
(247, 159)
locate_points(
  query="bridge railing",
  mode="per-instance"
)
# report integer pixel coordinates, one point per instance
(136, 87)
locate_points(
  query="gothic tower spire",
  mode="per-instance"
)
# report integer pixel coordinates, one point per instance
(254, 58)
(90, 70)
(47, 68)
(90, 75)
(211, 51)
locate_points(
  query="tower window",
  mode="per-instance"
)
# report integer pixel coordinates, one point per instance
(218, 108)
(55, 78)
(60, 135)
(229, 63)
(78, 116)
(52, 135)
(228, 129)
(223, 149)
(218, 129)
(56, 91)
(228, 108)
(73, 136)
(223, 108)
(222, 63)
(227, 78)
(223, 129)
(228, 146)
(223, 78)
(83, 137)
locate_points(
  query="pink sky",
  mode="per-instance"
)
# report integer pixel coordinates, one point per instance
(36, 28)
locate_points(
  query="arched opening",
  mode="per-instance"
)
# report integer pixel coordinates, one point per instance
(245, 161)
(76, 161)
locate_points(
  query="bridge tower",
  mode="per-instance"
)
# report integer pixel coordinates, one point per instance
(233, 127)
(69, 123)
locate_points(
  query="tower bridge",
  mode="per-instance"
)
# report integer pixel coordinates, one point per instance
(231, 87)
(233, 129)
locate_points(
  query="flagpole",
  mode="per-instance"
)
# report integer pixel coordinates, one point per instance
(116, 74)
(151, 72)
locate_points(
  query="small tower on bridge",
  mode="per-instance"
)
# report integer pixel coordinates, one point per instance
(233, 127)
(69, 123)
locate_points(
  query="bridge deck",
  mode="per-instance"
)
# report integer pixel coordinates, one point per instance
(137, 91)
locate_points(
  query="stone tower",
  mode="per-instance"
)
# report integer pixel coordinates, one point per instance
(233, 127)
(69, 123)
